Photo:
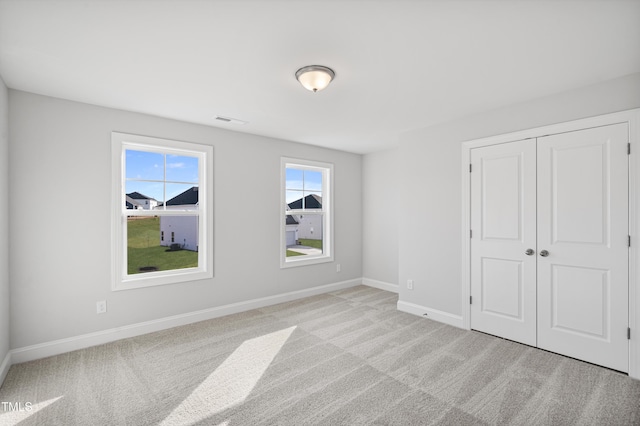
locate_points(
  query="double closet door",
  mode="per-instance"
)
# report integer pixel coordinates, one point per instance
(549, 246)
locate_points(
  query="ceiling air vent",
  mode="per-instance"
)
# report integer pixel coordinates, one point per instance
(230, 120)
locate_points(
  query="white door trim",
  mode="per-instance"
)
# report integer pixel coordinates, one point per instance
(632, 117)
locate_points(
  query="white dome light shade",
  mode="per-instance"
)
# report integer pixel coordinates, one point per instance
(315, 77)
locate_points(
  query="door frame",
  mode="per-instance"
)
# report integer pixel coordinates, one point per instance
(632, 118)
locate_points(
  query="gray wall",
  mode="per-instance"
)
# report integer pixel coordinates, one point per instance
(4, 221)
(430, 183)
(60, 251)
(380, 180)
(409, 227)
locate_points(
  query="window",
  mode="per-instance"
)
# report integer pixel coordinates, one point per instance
(160, 186)
(306, 228)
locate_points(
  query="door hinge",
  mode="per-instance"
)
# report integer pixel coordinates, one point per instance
(629, 240)
(469, 167)
(470, 233)
(629, 148)
(629, 333)
(471, 300)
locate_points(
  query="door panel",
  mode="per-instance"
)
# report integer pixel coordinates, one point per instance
(582, 187)
(503, 277)
(591, 320)
(579, 190)
(501, 198)
(502, 291)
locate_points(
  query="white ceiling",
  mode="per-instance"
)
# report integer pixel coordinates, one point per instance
(399, 64)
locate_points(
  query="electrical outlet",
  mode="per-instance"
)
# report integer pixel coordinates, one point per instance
(338, 267)
(410, 284)
(101, 307)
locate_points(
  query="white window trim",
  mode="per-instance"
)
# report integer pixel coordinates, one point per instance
(120, 142)
(327, 209)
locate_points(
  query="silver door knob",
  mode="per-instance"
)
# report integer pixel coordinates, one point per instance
(544, 253)
(529, 252)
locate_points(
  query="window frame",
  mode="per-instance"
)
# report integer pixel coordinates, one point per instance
(327, 211)
(121, 280)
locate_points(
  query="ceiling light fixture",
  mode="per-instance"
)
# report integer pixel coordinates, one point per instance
(315, 77)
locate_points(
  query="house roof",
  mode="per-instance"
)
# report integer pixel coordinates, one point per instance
(188, 197)
(311, 201)
(131, 204)
(139, 196)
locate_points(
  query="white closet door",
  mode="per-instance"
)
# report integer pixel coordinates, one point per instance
(583, 225)
(503, 222)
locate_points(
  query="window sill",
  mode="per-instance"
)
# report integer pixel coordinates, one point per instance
(152, 279)
(295, 261)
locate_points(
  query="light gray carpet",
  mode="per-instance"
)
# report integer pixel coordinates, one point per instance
(344, 358)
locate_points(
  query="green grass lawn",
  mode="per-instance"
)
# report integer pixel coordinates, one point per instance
(305, 242)
(311, 243)
(144, 249)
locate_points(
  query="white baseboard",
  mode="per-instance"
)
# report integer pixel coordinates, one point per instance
(4, 367)
(381, 285)
(56, 347)
(434, 314)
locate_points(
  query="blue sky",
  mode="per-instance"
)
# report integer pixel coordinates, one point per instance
(145, 173)
(300, 183)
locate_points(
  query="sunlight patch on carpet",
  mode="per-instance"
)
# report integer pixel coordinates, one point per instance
(232, 382)
(17, 412)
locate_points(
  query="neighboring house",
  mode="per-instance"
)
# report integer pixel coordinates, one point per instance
(146, 203)
(132, 204)
(309, 225)
(291, 230)
(182, 230)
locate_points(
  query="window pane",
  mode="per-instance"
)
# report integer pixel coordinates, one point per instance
(303, 189)
(312, 200)
(304, 235)
(312, 181)
(294, 199)
(143, 195)
(294, 179)
(182, 196)
(304, 200)
(144, 165)
(182, 169)
(161, 243)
